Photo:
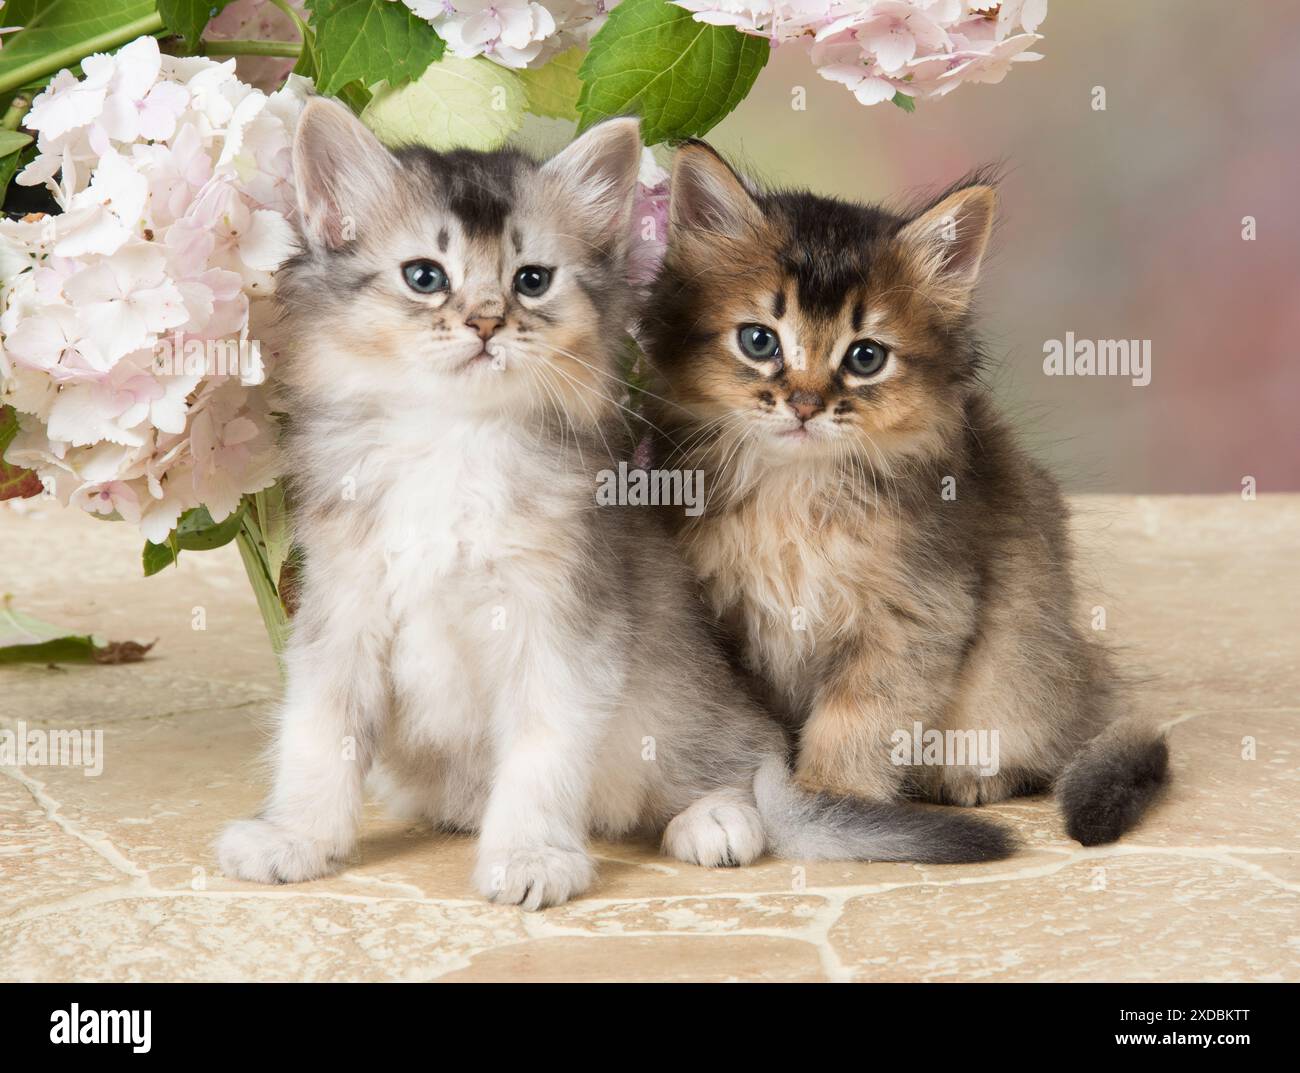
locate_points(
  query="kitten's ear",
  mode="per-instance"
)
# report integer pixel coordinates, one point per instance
(706, 195)
(342, 172)
(947, 243)
(598, 174)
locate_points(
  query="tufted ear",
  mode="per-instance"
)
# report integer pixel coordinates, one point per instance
(947, 242)
(707, 196)
(342, 172)
(598, 172)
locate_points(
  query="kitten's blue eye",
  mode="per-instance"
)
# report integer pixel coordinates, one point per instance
(865, 357)
(425, 277)
(532, 281)
(759, 343)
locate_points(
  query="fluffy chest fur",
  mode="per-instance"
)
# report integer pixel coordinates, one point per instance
(441, 498)
(797, 571)
(457, 538)
(469, 501)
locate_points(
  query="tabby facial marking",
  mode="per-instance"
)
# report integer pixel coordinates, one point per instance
(473, 279)
(816, 326)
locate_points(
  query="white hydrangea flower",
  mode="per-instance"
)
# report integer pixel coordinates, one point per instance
(125, 339)
(513, 33)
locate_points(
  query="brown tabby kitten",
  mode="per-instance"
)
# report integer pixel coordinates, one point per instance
(883, 551)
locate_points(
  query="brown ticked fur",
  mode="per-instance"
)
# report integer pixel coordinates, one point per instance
(898, 558)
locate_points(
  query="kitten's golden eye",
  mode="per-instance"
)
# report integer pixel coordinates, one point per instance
(425, 277)
(759, 343)
(865, 357)
(532, 281)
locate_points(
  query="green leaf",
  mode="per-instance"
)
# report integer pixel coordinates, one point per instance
(196, 531)
(370, 41)
(8, 169)
(252, 550)
(8, 427)
(24, 639)
(472, 104)
(903, 101)
(681, 76)
(188, 18)
(553, 88)
(355, 96)
(305, 65)
(12, 164)
(157, 557)
(50, 26)
(632, 366)
(11, 141)
(15, 483)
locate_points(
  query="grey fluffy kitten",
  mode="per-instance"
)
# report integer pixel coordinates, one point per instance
(499, 654)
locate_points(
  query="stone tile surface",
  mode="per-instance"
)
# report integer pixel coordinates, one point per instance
(112, 877)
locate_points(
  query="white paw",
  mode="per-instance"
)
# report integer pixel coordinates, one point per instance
(716, 832)
(265, 852)
(533, 878)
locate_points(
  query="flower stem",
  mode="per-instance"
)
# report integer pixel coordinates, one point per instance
(252, 550)
(298, 20)
(13, 117)
(288, 49)
(43, 66)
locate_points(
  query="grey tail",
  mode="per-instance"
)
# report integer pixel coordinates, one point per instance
(802, 825)
(1111, 781)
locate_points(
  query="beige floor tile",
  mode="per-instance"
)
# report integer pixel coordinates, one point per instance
(1122, 914)
(212, 936)
(41, 863)
(113, 878)
(666, 959)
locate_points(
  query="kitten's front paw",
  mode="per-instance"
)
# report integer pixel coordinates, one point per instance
(716, 832)
(533, 878)
(265, 852)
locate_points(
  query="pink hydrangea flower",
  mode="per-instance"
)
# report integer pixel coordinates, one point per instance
(877, 48)
(174, 180)
(880, 48)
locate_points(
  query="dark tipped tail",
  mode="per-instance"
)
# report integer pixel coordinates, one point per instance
(801, 825)
(1112, 781)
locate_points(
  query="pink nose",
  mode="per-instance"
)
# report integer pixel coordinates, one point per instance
(485, 326)
(806, 404)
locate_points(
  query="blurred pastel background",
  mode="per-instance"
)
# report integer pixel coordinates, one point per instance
(1116, 224)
